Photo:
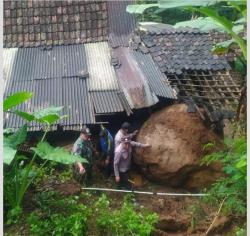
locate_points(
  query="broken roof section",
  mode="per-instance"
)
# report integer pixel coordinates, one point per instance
(138, 75)
(133, 81)
(185, 56)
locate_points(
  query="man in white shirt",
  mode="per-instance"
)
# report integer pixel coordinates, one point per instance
(123, 133)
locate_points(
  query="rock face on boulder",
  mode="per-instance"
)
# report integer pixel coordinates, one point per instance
(177, 138)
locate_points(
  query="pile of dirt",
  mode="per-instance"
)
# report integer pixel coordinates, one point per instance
(177, 141)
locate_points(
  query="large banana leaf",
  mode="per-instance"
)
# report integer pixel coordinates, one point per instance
(47, 152)
(204, 24)
(228, 26)
(16, 99)
(166, 4)
(207, 24)
(139, 9)
(223, 47)
(194, 3)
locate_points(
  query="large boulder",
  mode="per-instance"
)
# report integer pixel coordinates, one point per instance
(177, 138)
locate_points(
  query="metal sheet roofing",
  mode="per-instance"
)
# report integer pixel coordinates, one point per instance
(106, 102)
(8, 61)
(121, 23)
(133, 81)
(71, 93)
(102, 74)
(41, 63)
(156, 79)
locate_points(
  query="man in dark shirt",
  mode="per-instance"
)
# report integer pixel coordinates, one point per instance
(107, 150)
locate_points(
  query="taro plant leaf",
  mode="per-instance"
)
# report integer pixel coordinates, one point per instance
(48, 115)
(47, 152)
(24, 115)
(16, 99)
(50, 119)
(11, 142)
(8, 154)
(8, 131)
(139, 9)
(17, 138)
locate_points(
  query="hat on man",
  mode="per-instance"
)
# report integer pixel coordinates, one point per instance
(126, 140)
(125, 125)
(85, 131)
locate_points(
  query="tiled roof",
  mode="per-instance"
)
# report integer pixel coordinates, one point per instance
(175, 50)
(121, 23)
(39, 22)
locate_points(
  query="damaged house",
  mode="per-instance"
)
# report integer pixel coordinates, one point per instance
(94, 59)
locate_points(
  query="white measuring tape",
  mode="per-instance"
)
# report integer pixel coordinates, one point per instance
(148, 193)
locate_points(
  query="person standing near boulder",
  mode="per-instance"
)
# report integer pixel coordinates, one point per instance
(84, 148)
(107, 150)
(123, 133)
(122, 161)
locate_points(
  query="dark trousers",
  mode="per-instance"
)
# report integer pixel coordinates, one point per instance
(109, 169)
(85, 178)
(124, 183)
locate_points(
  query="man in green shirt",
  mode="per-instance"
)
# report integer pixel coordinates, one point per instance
(83, 147)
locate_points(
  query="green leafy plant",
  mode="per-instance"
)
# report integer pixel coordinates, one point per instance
(58, 216)
(125, 221)
(19, 177)
(233, 187)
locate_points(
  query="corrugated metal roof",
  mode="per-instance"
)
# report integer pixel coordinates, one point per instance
(9, 58)
(133, 81)
(106, 102)
(154, 76)
(121, 23)
(101, 72)
(72, 93)
(38, 63)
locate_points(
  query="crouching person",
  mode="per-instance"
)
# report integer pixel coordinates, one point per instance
(83, 147)
(122, 161)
